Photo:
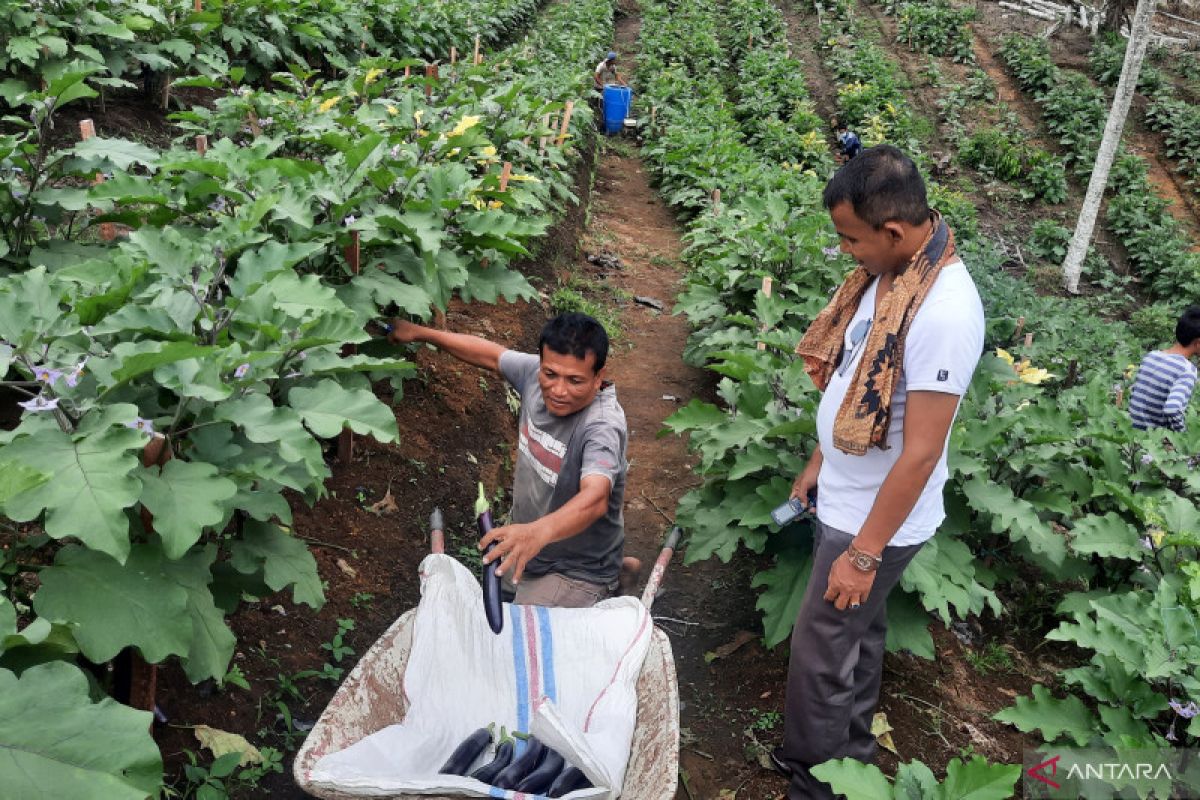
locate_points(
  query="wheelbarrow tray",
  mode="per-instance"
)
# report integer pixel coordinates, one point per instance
(372, 697)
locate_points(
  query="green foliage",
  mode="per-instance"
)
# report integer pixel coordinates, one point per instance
(937, 28)
(1048, 241)
(973, 780)
(1075, 111)
(59, 743)
(214, 324)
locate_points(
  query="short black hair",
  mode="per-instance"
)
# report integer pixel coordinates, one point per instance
(881, 184)
(1187, 330)
(575, 334)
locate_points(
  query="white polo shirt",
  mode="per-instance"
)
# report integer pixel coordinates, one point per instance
(943, 346)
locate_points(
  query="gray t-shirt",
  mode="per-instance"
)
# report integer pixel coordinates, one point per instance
(554, 454)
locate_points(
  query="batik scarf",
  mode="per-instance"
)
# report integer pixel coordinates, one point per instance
(866, 412)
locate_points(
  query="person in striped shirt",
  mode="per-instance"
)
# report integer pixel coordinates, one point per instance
(1165, 379)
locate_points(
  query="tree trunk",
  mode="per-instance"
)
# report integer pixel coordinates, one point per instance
(1139, 38)
(1116, 13)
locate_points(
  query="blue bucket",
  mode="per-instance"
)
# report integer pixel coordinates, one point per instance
(616, 106)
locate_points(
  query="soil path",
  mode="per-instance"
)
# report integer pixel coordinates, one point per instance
(704, 605)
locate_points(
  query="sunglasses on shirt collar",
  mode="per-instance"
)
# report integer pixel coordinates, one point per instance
(858, 335)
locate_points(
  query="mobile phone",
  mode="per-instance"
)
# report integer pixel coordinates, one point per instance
(793, 508)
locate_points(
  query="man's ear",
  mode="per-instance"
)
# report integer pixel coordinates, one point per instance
(895, 231)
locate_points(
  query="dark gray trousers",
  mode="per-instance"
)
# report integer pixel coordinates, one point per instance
(836, 667)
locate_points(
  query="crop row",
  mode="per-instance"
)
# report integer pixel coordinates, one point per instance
(1049, 482)
(1074, 111)
(126, 40)
(215, 326)
(1167, 112)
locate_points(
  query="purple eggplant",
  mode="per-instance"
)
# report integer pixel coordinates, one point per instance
(521, 766)
(569, 780)
(488, 772)
(465, 754)
(491, 582)
(542, 778)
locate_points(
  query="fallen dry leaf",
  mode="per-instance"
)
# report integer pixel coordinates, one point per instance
(386, 505)
(222, 742)
(740, 639)
(881, 729)
(346, 568)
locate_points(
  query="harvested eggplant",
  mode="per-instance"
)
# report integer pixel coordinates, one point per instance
(521, 766)
(465, 754)
(569, 780)
(488, 772)
(491, 582)
(542, 778)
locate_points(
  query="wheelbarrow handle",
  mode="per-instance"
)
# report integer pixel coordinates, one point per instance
(437, 539)
(660, 566)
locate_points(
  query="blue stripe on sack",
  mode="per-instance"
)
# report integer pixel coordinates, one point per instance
(548, 688)
(519, 667)
(494, 792)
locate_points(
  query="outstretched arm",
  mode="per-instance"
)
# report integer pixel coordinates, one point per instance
(519, 542)
(473, 350)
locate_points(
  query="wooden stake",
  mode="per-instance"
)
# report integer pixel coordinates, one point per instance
(542, 139)
(1020, 327)
(252, 120)
(407, 71)
(766, 290)
(431, 74)
(475, 58)
(1028, 340)
(653, 115)
(453, 55)
(1072, 372)
(566, 122)
(143, 677)
(716, 200)
(353, 253)
(202, 144)
(87, 129)
(1119, 397)
(505, 174)
(196, 6)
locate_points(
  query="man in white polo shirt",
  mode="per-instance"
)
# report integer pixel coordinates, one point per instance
(893, 354)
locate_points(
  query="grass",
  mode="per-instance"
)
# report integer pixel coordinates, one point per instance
(989, 659)
(595, 299)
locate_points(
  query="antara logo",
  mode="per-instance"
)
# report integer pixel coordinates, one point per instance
(1039, 772)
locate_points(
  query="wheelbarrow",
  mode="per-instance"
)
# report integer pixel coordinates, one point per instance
(372, 697)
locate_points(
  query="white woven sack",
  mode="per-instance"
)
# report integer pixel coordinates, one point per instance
(566, 675)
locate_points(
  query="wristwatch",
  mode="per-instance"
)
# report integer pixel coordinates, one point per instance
(863, 562)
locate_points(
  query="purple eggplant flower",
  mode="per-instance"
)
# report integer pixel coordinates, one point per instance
(1146, 543)
(265, 121)
(1187, 712)
(140, 424)
(40, 403)
(47, 375)
(73, 375)
(1147, 459)
(349, 220)
(831, 252)
(217, 205)
(1171, 737)
(241, 371)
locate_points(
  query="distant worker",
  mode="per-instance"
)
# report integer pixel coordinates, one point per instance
(1166, 378)
(606, 72)
(849, 141)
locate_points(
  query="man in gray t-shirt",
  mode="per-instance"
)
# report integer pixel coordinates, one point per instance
(563, 545)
